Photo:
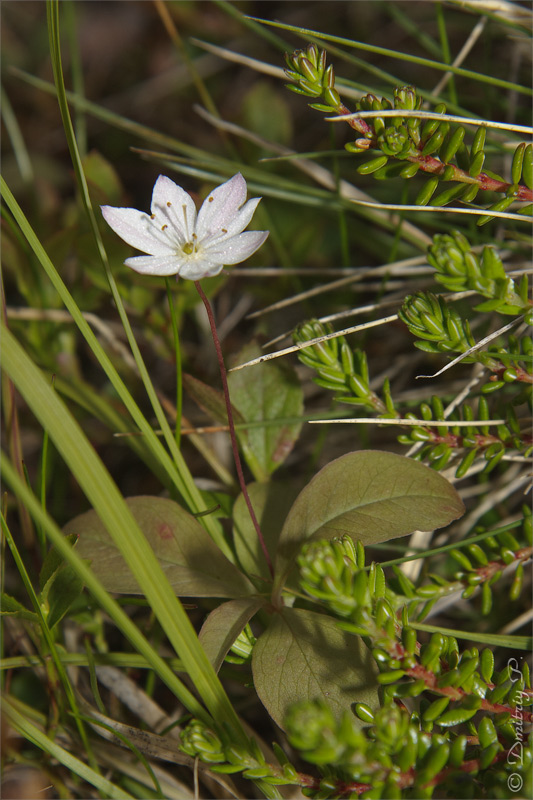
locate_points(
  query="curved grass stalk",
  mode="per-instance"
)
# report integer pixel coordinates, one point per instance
(137, 416)
(419, 114)
(258, 180)
(50, 642)
(301, 345)
(106, 499)
(447, 209)
(185, 484)
(305, 33)
(33, 733)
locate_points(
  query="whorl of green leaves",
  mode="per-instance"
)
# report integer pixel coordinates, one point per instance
(344, 371)
(459, 269)
(451, 686)
(340, 368)
(199, 741)
(438, 327)
(307, 69)
(466, 716)
(241, 649)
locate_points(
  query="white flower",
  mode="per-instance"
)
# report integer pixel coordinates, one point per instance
(180, 242)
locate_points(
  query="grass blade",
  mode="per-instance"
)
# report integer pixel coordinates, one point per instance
(105, 498)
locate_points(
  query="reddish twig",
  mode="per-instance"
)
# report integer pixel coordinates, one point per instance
(231, 425)
(435, 166)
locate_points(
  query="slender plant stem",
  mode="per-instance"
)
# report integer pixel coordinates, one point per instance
(231, 425)
(177, 348)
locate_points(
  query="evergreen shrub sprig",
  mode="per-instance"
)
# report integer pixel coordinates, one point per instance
(428, 146)
(446, 713)
(440, 328)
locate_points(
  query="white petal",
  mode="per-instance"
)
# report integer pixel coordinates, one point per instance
(238, 248)
(220, 206)
(202, 268)
(175, 206)
(238, 223)
(155, 265)
(137, 229)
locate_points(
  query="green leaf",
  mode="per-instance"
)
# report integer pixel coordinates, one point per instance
(527, 167)
(500, 205)
(265, 110)
(456, 717)
(271, 502)
(175, 467)
(51, 564)
(10, 607)
(209, 399)
(452, 145)
(447, 195)
(518, 160)
(266, 392)
(102, 179)
(65, 588)
(372, 496)
(372, 166)
(193, 564)
(224, 624)
(304, 656)
(497, 304)
(435, 709)
(427, 191)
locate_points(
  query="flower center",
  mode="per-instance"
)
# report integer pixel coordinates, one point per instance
(190, 247)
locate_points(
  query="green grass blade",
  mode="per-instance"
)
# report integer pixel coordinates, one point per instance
(16, 138)
(34, 734)
(106, 499)
(258, 180)
(177, 350)
(304, 33)
(151, 438)
(149, 657)
(494, 639)
(78, 82)
(122, 660)
(402, 19)
(185, 485)
(445, 45)
(49, 640)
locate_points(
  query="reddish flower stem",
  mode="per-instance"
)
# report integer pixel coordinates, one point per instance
(231, 425)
